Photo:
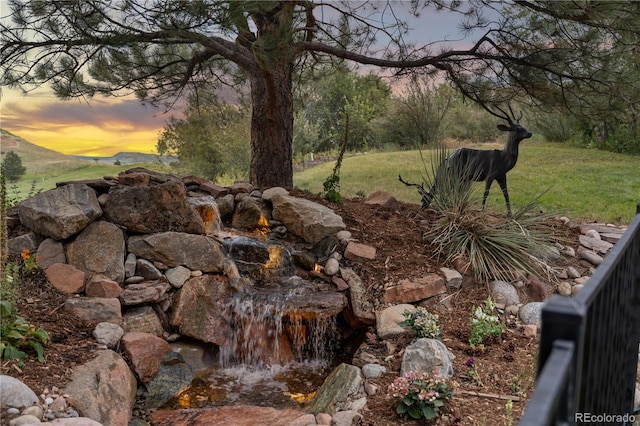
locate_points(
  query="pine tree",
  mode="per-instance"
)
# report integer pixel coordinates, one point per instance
(13, 167)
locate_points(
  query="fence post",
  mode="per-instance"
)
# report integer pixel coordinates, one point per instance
(563, 319)
(543, 408)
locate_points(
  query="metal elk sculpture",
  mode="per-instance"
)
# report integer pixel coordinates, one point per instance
(483, 165)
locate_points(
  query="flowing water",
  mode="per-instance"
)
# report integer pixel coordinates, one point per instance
(272, 356)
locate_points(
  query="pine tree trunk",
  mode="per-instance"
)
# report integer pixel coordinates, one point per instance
(272, 127)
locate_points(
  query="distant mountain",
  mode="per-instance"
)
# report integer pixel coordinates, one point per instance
(48, 158)
(127, 158)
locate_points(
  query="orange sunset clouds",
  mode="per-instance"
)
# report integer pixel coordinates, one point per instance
(92, 127)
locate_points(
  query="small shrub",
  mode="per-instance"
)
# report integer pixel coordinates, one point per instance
(17, 333)
(420, 394)
(484, 324)
(423, 323)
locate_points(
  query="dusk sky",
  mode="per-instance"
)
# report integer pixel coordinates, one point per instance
(105, 126)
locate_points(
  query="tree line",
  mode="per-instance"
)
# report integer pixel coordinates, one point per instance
(568, 59)
(211, 139)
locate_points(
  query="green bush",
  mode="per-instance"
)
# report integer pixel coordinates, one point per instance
(423, 323)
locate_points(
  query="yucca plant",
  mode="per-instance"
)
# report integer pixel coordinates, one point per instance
(496, 246)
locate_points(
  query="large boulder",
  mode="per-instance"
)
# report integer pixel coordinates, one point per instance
(99, 250)
(198, 309)
(104, 389)
(196, 252)
(156, 208)
(428, 356)
(61, 212)
(306, 219)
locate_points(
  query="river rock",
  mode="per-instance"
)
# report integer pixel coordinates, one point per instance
(531, 312)
(177, 276)
(14, 393)
(147, 270)
(504, 290)
(108, 334)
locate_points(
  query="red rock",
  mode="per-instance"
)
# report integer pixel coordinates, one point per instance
(408, 291)
(359, 252)
(101, 286)
(65, 278)
(146, 352)
(537, 290)
(382, 199)
(341, 285)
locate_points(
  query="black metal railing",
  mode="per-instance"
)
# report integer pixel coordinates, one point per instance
(588, 353)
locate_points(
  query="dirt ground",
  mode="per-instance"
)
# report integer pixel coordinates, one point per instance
(506, 369)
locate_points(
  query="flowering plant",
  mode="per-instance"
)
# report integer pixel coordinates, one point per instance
(30, 260)
(484, 324)
(472, 373)
(423, 323)
(420, 394)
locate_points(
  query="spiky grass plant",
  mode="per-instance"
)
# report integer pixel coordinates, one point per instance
(494, 245)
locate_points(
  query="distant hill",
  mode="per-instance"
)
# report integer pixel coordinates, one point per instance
(46, 167)
(30, 153)
(127, 158)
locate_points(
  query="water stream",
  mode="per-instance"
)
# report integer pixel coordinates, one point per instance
(273, 355)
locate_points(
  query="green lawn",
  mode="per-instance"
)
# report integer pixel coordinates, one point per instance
(586, 185)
